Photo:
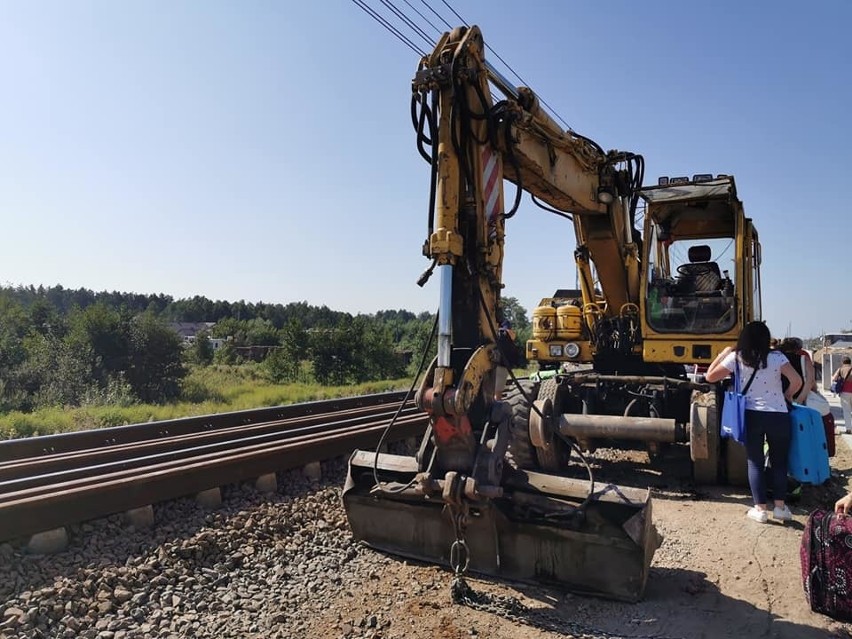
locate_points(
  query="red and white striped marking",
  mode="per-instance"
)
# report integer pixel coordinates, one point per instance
(490, 182)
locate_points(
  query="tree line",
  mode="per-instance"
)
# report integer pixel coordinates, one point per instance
(71, 347)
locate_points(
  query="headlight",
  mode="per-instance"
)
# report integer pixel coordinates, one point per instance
(572, 350)
(555, 350)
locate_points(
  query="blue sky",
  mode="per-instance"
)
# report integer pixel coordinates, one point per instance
(264, 150)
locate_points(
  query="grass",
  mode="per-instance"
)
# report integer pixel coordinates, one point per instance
(214, 389)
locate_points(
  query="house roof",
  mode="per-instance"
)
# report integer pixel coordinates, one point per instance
(190, 329)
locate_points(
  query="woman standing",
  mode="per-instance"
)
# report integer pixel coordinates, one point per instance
(766, 416)
(845, 392)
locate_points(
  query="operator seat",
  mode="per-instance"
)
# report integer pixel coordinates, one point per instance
(700, 276)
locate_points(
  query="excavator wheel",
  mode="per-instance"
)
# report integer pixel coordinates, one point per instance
(554, 457)
(521, 452)
(704, 426)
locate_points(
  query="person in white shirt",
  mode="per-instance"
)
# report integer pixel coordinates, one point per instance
(766, 416)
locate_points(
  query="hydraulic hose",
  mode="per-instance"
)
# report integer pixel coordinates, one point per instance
(398, 411)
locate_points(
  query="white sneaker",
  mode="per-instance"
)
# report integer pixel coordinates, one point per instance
(760, 516)
(782, 514)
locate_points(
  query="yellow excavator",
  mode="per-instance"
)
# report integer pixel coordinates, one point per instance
(493, 487)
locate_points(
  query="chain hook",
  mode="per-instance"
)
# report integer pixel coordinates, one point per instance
(459, 551)
(459, 557)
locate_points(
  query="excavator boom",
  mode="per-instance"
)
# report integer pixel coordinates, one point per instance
(468, 499)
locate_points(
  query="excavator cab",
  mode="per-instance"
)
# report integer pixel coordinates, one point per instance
(696, 297)
(701, 261)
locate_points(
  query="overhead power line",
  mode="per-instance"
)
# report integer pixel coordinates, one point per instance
(410, 24)
(388, 26)
(455, 13)
(440, 17)
(401, 15)
(508, 66)
(425, 19)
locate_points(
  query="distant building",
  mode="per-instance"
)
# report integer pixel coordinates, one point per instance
(188, 330)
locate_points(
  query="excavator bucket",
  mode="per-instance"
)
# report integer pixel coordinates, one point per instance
(544, 529)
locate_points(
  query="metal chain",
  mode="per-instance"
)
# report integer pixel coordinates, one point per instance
(459, 552)
(509, 607)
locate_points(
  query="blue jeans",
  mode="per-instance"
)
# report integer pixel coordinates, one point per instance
(775, 428)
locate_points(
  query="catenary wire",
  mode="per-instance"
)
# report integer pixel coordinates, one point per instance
(440, 17)
(425, 19)
(455, 13)
(508, 66)
(402, 16)
(410, 22)
(389, 27)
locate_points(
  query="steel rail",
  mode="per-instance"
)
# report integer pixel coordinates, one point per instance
(94, 479)
(27, 447)
(43, 469)
(38, 508)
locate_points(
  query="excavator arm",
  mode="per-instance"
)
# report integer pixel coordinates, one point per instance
(479, 143)
(456, 502)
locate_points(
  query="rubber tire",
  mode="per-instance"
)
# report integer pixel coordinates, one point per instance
(706, 471)
(521, 452)
(555, 458)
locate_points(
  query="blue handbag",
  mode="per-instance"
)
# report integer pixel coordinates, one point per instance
(732, 424)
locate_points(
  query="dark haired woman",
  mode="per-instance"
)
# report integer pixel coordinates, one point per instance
(766, 414)
(845, 391)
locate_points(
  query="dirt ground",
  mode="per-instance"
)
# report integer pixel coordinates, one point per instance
(716, 574)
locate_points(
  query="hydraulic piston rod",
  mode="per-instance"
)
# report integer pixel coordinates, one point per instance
(648, 429)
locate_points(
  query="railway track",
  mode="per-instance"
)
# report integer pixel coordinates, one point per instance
(49, 482)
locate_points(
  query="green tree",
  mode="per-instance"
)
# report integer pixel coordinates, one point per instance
(156, 368)
(279, 367)
(57, 372)
(512, 310)
(261, 332)
(201, 351)
(331, 356)
(379, 356)
(226, 353)
(13, 354)
(102, 334)
(285, 363)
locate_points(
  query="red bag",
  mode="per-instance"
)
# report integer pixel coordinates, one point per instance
(828, 424)
(826, 554)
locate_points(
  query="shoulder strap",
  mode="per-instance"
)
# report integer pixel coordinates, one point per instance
(847, 374)
(737, 374)
(750, 380)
